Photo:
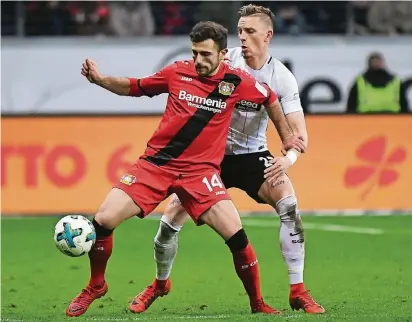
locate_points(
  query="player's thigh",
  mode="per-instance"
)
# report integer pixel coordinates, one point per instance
(175, 212)
(223, 218)
(199, 192)
(272, 194)
(137, 193)
(246, 172)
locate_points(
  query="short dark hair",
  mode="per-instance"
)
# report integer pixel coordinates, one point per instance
(209, 30)
(254, 10)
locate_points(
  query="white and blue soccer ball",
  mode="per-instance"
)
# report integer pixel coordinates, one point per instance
(74, 235)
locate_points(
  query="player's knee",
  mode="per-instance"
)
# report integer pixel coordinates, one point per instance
(288, 211)
(287, 208)
(167, 232)
(107, 218)
(238, 241)
(116, 208)
(100, 228)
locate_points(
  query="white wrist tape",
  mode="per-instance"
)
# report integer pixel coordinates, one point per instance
(292, 156)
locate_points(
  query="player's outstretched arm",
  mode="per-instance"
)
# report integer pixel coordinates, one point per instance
(116, 85)
(150, 86)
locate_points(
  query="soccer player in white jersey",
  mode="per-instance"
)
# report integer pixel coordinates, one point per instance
(263, 177)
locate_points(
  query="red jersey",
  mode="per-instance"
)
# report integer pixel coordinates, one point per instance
(193, 130)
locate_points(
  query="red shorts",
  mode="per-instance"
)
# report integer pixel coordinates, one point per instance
(148, 185)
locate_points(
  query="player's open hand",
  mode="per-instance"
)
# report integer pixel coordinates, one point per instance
(293, 142)
(278, 166)
(90, 71)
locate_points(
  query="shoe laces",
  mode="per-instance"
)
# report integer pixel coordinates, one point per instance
(261, 303)
(307, 299)
(148, 295)
(85, 296)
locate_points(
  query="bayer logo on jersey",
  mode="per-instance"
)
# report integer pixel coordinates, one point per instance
(74, 235)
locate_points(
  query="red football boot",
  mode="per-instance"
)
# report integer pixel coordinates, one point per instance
(81, 302)
(143, 300)
(261, 307)
(305, 302)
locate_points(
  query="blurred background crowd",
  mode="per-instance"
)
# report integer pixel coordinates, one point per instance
(354, 71)
(147, 18)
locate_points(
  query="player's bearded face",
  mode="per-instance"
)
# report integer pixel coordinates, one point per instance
(207, 57)
(254, 34)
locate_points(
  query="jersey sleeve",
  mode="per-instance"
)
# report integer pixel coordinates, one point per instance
(257, 92)
(287, 90)
(155, 84)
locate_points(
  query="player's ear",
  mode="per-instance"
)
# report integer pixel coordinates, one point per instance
(222, 54)
(269, 35)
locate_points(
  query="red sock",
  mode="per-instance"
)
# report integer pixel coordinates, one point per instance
(99, 256)
(247, 269)
(296, 289)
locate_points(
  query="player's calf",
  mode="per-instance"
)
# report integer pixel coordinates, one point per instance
(97, 287)
(117, 207)
(247, 268)
(293, 249)
(165, 247)
(225, 220)
(292, 240)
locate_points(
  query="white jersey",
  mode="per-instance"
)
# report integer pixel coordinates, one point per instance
(247, 132)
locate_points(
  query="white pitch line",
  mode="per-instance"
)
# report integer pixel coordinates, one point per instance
(324, 227)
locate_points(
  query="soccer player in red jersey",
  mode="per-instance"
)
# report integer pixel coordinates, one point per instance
(183, 156)
(247, 153)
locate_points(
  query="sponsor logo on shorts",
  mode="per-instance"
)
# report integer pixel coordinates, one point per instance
(220, 193)
(128, 179)
(226, 88)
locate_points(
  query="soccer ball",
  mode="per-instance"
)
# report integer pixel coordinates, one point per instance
(74, 235)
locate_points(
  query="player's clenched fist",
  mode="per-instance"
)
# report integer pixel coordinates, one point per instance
(90, 71)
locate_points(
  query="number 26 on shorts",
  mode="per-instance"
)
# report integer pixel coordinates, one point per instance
(213, 183)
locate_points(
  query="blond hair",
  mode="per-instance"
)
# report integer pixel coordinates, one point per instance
(254, 10)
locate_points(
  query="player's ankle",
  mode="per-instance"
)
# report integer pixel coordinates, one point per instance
(161, 283)
(97, 284)
(297, 288)
(255, 301)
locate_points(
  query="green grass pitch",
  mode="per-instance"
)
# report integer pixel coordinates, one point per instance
(358, 268)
